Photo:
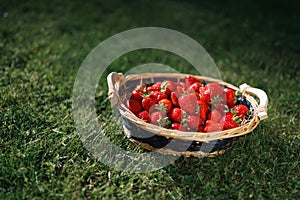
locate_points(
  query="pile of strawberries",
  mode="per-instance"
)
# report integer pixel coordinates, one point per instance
(189, 105)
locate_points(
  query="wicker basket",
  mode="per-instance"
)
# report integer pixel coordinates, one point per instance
(155, 138)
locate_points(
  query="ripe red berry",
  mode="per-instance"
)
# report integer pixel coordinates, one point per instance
(177, 126)
(228, 121)
(167, 87)
(188, 103)
(189, 80)
(192, 121)
(148, 102)
(214, 115)
(138, 92)
(174, 99)
(167, 104)
(155, 87)
(202, 109)
(144, 115)
(158, 95)
(159, 118)
(230, 97)
(137, 95)
(194, 87)
(134, 106)
(183, 86)
(219, 106)
(171, 85)
(211, 126)
(240, 110)
(197, 96)
(175, 115)
(200, 128)
(211, 90)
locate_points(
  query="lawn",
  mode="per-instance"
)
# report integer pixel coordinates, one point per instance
(42, 45)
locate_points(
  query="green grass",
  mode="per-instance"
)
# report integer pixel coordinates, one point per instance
(42, 46)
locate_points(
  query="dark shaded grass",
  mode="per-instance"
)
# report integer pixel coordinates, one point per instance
(43, 45)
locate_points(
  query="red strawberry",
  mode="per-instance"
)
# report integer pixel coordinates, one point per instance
(177, 126)
(167, 87)
(166, 103)
(171, 85)
(188, 103)
(174, 99)
(229, 121)
(215, 89)
(134, 106)
(141, 87)
(137, 95)
(158, 95)
(214, 115)
(197, 96)
(219, 106)
(155, 108)
(155, 87)
(217, 103)
(230, 97)
(202, 109)
(211, 126)
(209, 91)
(159, 118)
(175, 115)
(138, 92)
(148, 102)
(192, 121)
(190, 80)
(144, 115)
(156, 116)
(183, 85)
(158, 84)
(204, 95)
(194, 87)
(200, 128)
(240, 110)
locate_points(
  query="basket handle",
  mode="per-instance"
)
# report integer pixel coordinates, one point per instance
(112, 79)
(263, 99)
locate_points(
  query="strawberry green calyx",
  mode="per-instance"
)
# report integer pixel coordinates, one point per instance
(236, 119)
(184, 123)
(141, 88)
(216, 100)
(237, 93)
(164, 121)
(146, 94)
(184, 114)
(226, 108)
(233, 111)
(161, 107)
(164, 86)
(237, 96)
